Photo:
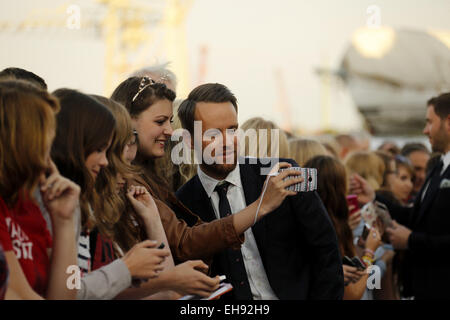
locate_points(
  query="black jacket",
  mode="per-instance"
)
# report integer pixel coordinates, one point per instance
(297, 242)
(429, 242)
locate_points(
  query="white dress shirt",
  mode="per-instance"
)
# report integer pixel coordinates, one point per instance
(257, 278)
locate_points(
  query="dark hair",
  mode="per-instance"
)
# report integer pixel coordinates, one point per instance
(22, 74)
(128, 89)
(84, 125)
(441, 105)
(143, 99)
(413, 147)
(402, 161)
(332, 186)
(210, 92)
(393, 149)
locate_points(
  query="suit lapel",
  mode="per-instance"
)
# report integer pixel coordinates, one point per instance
(430, 196)
(201, 203)
(418, 201)
(252, 190)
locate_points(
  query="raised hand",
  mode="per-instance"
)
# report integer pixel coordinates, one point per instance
(186, 279)
(276, 187)
(354, 219)
(373, 240)
(398, 235)
(59, 194)
(352, 274)
(360, 187)
(142, 202)
(144, 261)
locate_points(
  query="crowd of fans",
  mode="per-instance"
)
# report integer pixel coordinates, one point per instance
(89, 181)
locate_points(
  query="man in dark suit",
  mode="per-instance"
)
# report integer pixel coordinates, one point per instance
(291, 253)
(424, 229)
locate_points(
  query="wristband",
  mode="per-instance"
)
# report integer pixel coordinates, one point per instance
(367, 260)
(369, 251)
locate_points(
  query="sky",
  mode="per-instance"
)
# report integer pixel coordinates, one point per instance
(247, 41)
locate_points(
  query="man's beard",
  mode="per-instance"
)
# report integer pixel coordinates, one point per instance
(221, 169)
(440, 141)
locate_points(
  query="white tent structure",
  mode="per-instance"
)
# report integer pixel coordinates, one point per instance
(391, 75)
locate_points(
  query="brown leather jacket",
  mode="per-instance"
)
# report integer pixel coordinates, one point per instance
(202, 240)
(198, 240)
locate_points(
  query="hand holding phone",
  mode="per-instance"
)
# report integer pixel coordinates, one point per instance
(359, 264)
(309, 179)
(383, 212)
(347, 261)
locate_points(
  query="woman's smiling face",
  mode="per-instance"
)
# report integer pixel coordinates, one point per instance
(154, 129)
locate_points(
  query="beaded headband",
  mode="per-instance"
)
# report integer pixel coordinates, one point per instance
(145, 82)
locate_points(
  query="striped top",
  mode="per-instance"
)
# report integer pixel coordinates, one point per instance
(84, 254)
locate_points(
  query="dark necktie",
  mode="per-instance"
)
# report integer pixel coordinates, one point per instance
(235, 270)
(224, 205)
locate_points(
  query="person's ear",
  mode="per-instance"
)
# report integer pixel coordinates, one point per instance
(447, 123)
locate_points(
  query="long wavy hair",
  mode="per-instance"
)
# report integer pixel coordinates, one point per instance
(84, 126)
(136, 101)
(27, 120)
(118, 218)
(332, 186)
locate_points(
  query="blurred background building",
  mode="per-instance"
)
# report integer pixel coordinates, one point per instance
(314, 67)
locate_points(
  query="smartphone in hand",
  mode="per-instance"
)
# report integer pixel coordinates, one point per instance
(347, 261)
(352, 200)
(359, 264)
(309, 176)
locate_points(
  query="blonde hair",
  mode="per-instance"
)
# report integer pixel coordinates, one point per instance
(303, 150)
(258, 124)
(27, 121)
(368, 165)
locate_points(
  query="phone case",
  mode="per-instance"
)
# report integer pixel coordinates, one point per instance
(310, 179)
(347, 261)
(352, 199)
(358, 263)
